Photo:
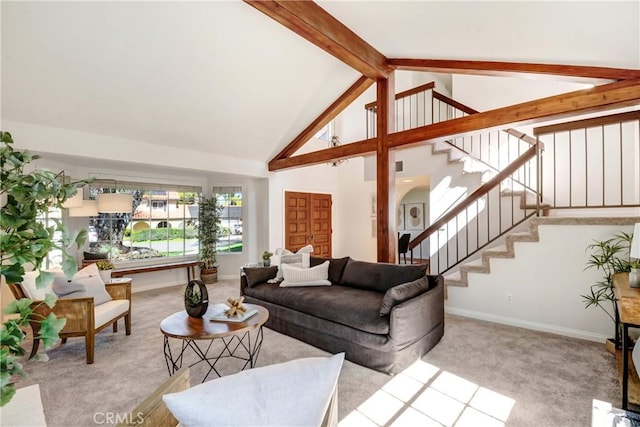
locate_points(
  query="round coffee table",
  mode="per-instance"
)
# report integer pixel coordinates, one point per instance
(236, 339)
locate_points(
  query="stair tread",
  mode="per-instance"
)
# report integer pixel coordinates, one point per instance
(499, 248)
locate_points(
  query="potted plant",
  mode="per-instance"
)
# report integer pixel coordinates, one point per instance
(105, 267)
(611, 256)
(208, 225)
(266, 258)
(26, 197)
(196, 298)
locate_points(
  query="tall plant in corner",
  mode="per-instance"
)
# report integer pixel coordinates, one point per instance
(208, 227)
(611, 256)
(26, 195)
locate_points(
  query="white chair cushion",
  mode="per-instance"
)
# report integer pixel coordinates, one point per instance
(295, 393)
(109, 310)
(29, 287)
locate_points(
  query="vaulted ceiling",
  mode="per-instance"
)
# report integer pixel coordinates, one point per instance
(221, 77)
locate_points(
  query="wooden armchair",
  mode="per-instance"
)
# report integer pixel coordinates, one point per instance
(84, 319)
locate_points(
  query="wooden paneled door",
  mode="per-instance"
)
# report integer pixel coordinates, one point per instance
(308, 221)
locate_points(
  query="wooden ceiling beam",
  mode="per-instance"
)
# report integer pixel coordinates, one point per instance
(312, 22)
(351, 94)
(600, 98)
(512, 69)
(343, 151)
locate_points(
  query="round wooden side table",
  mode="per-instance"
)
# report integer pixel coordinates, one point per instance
(236, 338)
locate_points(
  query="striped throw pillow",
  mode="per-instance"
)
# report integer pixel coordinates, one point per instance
(315, 276)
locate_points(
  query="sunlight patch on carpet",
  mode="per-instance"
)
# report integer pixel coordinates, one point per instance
(425, 395)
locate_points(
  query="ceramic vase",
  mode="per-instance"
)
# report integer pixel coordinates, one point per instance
(105, 275)
(197, 305)
(634, 278)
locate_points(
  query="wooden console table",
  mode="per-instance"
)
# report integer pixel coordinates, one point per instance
(628, 314)
(189, 265)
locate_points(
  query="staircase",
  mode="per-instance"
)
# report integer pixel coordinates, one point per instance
(512, 208)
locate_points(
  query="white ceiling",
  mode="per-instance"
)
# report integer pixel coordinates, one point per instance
(221, 77)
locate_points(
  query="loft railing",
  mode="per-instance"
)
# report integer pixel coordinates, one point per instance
(592, 163)
(422, 106)
(495, 208)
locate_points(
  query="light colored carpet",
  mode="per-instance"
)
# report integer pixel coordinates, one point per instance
(479, 374)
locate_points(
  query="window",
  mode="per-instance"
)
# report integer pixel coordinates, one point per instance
(326, 132)
(161, 224)
(230, 230)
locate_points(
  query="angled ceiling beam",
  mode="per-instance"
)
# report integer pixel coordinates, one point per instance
(599, 98)
(512, 69)
(354, 91)
(312, 22)
(605, 97)
(343, 151)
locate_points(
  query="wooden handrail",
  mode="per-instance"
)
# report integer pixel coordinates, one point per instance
(469, 110)
(587, 123)
(405, 93)
(481, 191)
(454, 103)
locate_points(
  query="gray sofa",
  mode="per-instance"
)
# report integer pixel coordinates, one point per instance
(346, 316)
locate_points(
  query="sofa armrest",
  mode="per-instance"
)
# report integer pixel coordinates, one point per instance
(413, 319)
(243, 282)
(119, 290)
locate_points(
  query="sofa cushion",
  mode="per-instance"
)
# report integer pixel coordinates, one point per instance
(402, 293)
(257, 275)
(380, 276)
(336, 266)
(356, 308)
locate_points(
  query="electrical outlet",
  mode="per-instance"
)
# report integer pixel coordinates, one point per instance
(509, 298)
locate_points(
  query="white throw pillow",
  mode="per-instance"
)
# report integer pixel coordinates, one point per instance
(305, 250)
(314, 276)
(31, 290)
(90, 279)
(298, 260)
(295, 393)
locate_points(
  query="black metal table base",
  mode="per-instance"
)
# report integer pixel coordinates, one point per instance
(238, 347)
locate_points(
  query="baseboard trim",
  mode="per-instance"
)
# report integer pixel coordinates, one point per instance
(541, 327)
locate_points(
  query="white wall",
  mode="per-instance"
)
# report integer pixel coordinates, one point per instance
(488, 93)
(546, 280)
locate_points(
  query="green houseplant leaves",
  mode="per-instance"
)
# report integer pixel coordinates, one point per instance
(26, 195)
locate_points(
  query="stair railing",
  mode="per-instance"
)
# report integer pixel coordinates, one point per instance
(485, 215)
(592, 163)
(423, 105)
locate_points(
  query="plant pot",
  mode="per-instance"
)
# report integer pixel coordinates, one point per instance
(209, 275)
(634, 278)
(266, 262)
(196, 306)
(105, 275)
